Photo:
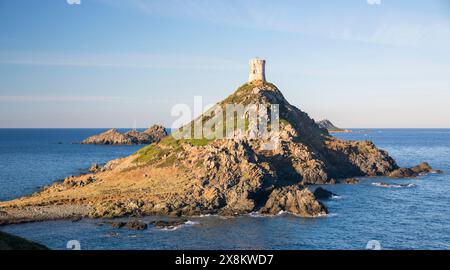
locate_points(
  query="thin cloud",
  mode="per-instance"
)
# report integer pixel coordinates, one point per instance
(129, 100)
(59, 98)
(295, 17)
(118, 60)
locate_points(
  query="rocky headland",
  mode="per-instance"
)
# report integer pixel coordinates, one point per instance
(114, 137)
(326, 124)
(232, 176)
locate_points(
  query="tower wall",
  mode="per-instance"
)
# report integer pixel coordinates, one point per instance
(257, 70)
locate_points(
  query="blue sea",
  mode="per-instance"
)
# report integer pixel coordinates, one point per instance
(414, 217)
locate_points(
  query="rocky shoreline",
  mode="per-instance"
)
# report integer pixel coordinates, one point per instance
(233, 176)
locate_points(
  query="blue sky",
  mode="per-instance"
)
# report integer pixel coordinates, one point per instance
(109, 63)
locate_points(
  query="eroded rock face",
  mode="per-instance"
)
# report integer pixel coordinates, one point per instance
(294, 199)
(114, 137)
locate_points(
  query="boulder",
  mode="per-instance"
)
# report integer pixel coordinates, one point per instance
(323, 194)
(136, 225)
(350, 181)
(171, 224)
(294, 199)
(423, 167)
(403, 173)
(118, 225)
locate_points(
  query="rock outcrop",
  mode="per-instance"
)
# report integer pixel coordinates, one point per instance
(114, 137)
(295, 200)
(12, 242)
(326, 124)
(349, 181)
(235, 175)
(420, 169)
(136, 225)
(323, 194)
(171, 224)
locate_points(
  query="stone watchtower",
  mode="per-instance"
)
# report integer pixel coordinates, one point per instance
(257, 70)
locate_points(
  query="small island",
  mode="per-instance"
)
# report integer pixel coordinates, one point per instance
(114, 137)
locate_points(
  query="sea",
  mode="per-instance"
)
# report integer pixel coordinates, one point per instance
(403, 214)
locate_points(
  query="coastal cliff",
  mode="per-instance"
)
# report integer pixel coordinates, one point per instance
(231, 176)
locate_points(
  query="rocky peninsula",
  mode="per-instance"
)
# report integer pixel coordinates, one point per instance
(232, 176)
(326, 124)
(114, 137)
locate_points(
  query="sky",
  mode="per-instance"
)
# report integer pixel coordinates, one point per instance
(114, 63)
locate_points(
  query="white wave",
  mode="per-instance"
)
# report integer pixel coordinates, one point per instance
(385, 185)
(336, 197)
(191, 223)
(256, 214)
(174, 228)
(208, 215)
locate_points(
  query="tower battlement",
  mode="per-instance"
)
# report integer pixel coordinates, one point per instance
(257, 70)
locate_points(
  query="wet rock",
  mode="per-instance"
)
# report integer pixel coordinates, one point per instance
(162, 224)
(295, 200)
(403, 173)
(136, 225)
(118, 225)
(422, 168)
(350, 181)
(76, 219)
(323, 194)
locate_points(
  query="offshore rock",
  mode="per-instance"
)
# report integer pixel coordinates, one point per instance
(114, 137)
